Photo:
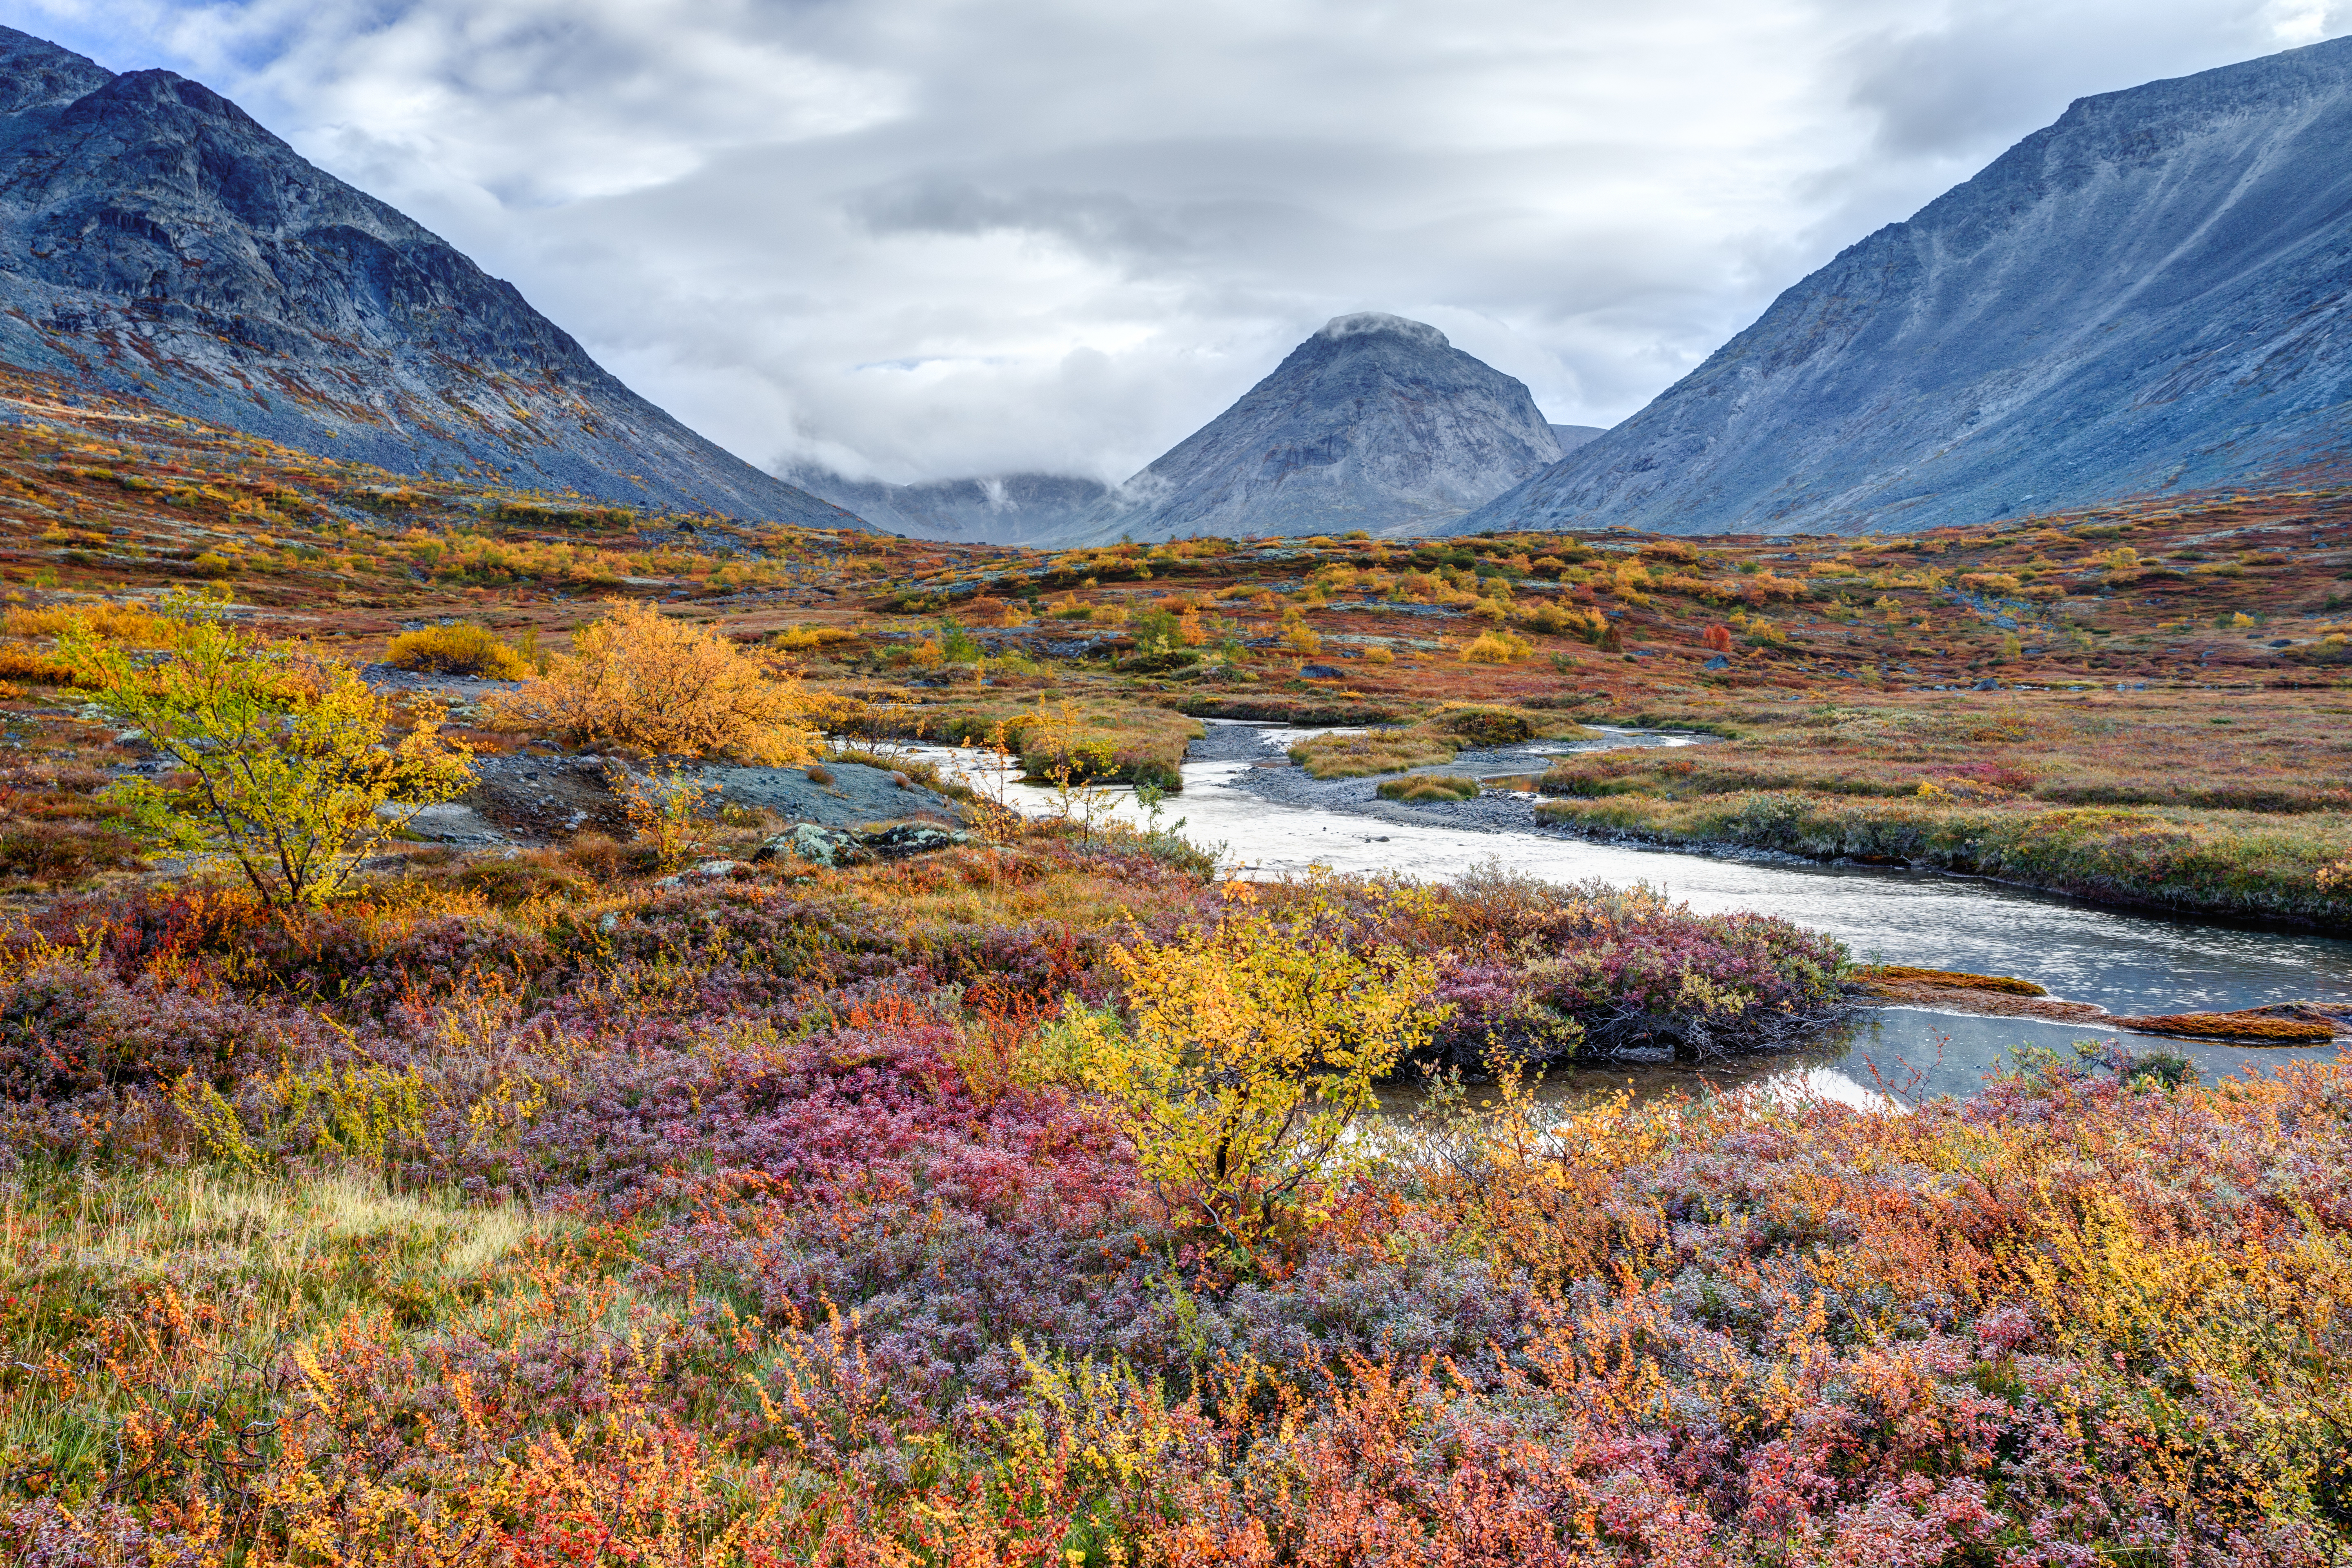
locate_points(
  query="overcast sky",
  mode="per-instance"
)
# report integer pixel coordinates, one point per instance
(926, 238)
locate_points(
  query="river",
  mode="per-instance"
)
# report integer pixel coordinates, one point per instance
(2127, 962)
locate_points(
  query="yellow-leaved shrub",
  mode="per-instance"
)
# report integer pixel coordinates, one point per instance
(457, 650)
(638, 682)
(1253, 1045)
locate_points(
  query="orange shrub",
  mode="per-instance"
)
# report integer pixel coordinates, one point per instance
(639, 681)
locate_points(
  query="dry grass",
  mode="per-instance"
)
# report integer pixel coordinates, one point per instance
(1952, 979)
(192, 1284)
(1351, 756)
(2202, 862)
(1422, 789)
(2277, 751)
(2249, 1026)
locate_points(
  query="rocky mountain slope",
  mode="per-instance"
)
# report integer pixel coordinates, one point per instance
(2150, 294)
(154, 240)
(1005, 509)
(1374, 423)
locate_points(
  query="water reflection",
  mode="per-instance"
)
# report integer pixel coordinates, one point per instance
(1913, 1054)
(1880, 1058)
(2127, 962)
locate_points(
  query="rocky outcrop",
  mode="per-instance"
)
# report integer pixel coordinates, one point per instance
(2148, 295)
(156, 241)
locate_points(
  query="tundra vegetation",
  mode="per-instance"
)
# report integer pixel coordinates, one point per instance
(629, 1197)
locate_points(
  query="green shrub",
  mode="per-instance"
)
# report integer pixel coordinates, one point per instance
(1488, 726)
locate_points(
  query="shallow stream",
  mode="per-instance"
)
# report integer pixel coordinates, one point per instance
(2127, 962)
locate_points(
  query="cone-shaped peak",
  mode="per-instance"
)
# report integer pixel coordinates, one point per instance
(1366, 322)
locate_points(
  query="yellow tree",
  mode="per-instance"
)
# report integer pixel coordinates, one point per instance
(1254, 1045)
(292, 774)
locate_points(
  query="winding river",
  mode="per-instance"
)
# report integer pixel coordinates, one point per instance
(2127, 962)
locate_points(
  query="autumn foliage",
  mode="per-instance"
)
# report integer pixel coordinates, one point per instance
(639, 681)
(1022, 1204)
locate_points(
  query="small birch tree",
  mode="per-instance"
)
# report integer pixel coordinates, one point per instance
(1254, 1047)
(288, 767)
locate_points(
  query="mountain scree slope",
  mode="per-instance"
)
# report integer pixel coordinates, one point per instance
(2148, 294)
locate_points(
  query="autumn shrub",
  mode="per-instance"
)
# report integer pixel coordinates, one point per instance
(24, 661)
(1496, 648)
(459, 649)
(804, 639)
(1564, 620)
(132, 625)
(642, 682)
(661, 806)
(1254, 1046)
(287, 764)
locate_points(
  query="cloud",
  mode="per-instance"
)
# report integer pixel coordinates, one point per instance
(925, 239)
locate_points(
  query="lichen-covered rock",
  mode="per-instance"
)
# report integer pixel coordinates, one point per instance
(840, 847)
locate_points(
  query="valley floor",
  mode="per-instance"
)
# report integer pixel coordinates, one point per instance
(603, 1183)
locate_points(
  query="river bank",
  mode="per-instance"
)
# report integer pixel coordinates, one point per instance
(2231, 864)
(1636, 787)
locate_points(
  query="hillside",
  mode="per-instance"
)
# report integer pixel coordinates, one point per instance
(1375, 422)
(156, 241)
(2145, 297)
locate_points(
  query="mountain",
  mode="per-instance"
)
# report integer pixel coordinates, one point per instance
(2150, 294)
(1006, 509)
(1374, 423)
(154, 240)
(1571, 436)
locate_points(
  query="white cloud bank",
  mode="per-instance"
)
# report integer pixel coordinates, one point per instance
(926, 238)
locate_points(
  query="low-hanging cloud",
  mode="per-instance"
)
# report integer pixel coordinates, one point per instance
(923, 238)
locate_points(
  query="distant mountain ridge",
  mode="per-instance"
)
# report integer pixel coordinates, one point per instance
(155, 240)
(1375, 422)
(1002, 508)
(2150, 293)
